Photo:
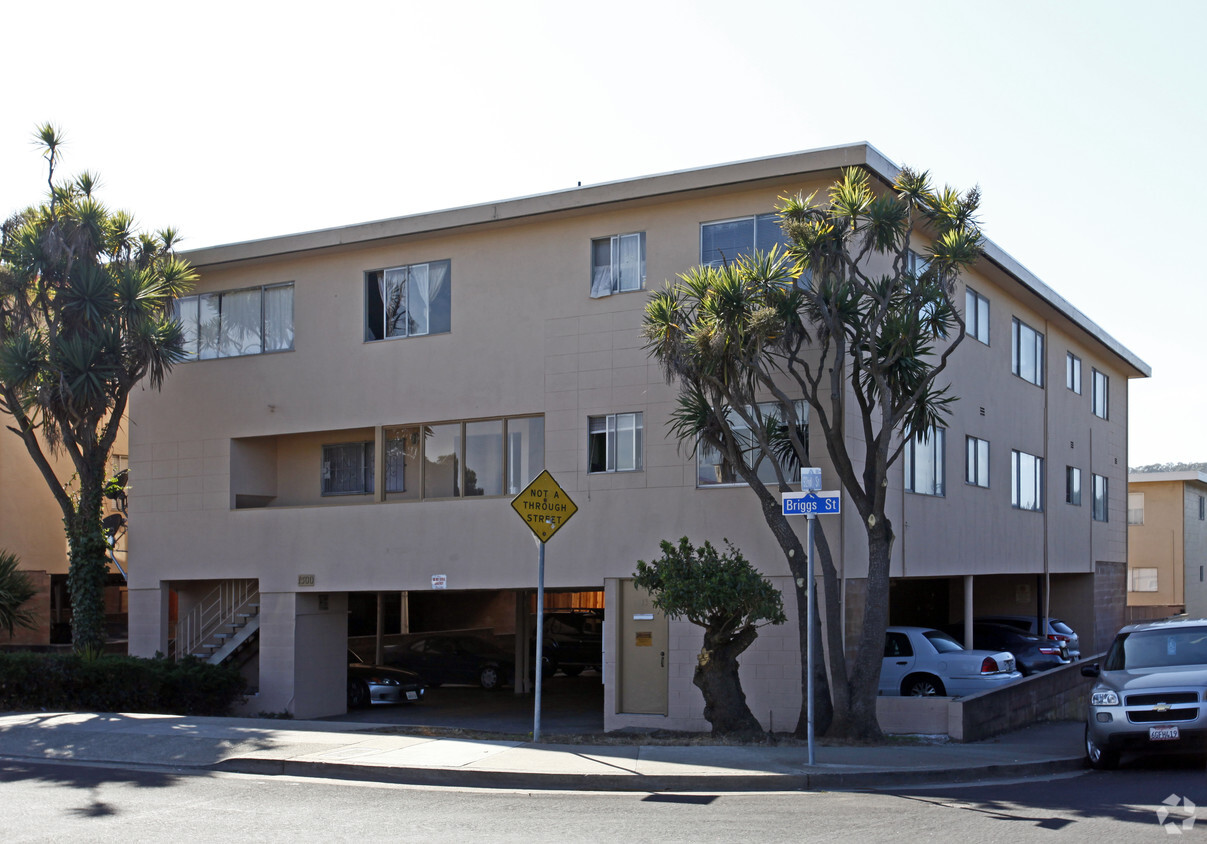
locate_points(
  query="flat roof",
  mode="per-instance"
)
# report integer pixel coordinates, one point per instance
(1190, 476)
(642, 187)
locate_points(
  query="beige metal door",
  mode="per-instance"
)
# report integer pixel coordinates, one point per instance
(642, 653)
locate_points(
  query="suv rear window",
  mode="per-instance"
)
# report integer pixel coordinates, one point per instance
(1060, 627)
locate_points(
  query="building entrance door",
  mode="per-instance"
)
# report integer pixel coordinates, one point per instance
(643, 653)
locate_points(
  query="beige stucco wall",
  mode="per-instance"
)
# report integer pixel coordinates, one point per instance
(527, 339)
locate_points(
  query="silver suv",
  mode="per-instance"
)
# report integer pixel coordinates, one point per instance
(1150, 693)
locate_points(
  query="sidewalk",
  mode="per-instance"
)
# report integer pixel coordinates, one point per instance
(355, 751)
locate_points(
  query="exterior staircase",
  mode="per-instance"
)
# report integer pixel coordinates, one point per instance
(224, 624)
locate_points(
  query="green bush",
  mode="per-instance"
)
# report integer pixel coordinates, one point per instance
(69, 682)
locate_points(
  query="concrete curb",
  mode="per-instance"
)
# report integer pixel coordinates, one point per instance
(885, 778)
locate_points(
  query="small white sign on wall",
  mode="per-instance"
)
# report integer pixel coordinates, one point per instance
(439, 581)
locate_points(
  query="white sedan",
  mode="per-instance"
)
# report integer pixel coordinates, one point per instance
(919, 661)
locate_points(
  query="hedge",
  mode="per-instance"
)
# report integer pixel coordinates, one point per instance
(68, 682)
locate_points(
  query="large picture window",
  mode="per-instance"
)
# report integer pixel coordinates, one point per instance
(724, 241)
(233, 323)
(409, 301)
(1027, 352)
(715, 469)
(1026, 481)
(614, 443)
(617, 264)
(924, 462)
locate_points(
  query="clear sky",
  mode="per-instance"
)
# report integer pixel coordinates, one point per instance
(236, 121)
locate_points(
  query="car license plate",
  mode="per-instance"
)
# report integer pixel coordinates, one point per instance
(415, 696)
(1163, 733)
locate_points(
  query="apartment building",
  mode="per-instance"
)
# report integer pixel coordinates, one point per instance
(1166, 544)
(364, 402)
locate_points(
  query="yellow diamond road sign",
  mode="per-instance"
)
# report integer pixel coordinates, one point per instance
(544, 506)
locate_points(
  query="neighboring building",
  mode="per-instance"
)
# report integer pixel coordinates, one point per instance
(31, 526)
(1166, 544)
(367, 400)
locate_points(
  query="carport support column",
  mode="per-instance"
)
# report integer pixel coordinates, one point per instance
(968, 643)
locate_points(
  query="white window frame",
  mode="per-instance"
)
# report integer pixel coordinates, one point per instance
(1143, 579)
(611, 278)
(187, 310)
(410, 273)
(1100, 394)
(1073, 486)
(1026, 481)
(976, 457)
(1100, 492)
(622, 438)
(1135, 508)
(976, 315)
(1022, 337)
(1073, 372)
(925, 463)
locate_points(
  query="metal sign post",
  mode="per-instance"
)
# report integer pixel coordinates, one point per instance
(809, 503)
(544, 507)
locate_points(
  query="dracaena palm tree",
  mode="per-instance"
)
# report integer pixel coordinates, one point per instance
(15, 590)
(86, 314)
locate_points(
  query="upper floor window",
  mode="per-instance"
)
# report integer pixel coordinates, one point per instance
(976, 315)
(1026, 481)
(924, 462)
(408, 301)
(617, 264)
(1098, 397)
(976, 470)
(1143, 580)
(463, 459)
(1073, 372)
(1027, 352)
(614, 443)
(724, 241)
(1202, 508)
(348, 469)
(250, 321)
(1073, 485)
(1135, 508)
(715, 469)
(1100, 494)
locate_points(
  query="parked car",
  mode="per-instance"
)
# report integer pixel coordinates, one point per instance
(573, 641)
(921, 661)
(1031, 653)
(369, 684)
(1057, 630)
(1148, 692)
(458, 658)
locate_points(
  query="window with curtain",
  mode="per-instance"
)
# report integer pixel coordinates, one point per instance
(714, 469)
(614, 442)
(410, 301)
(924, 462)
(234, 323)
(617, 264)
(1135, 508)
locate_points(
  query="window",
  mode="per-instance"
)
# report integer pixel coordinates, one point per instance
(1098, 399)
(1202, 508)
(1027, 352)
(1073, 372)
(1026, 481)
(723, 242)
(1073, 485)
(976, 315)
(614, 443)
(617, 264)
(977, 462)
(348, 469)
(1099, 492)
(1135, 508)
(1143, 580)
(463, 459)
(237, 322)
(715, 469)
(924, 470)
(408, 301)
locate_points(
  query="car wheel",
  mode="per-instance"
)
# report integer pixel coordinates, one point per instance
(573, 670)
(922, 685)
(490, 677)
(358, 694)
(1100, 758)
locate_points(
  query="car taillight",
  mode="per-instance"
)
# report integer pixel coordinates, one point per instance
(1056, 637)
(1049, 651)
(989, 665)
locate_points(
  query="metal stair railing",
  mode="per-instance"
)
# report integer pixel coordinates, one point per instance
(229, 604)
